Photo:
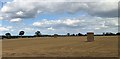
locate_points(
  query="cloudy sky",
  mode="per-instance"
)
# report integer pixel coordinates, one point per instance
(58, 16)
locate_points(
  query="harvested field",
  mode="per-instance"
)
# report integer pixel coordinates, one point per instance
(103, 46)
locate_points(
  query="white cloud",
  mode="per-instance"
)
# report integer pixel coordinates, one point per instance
(112, 22)
(66, 22)
(16, 20)
(62, 26)
(7, 28)
(102, 14)
(51, 28)
(5, 9)
(78, 24)
(97, 28)
(1, 18)
(19, 13)
(71, 22)
(3, 29)
(29, 9)
(37, 24)
(67, 0)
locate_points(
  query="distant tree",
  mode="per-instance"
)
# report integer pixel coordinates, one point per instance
(55, 35)
(76, 35)
(118, 33)
(103, 34)
(68, 34)
(79, 34)
(21, 33)
(109, 33)
(8, 35)
(85, 34)
(73, 35)
(37, 33)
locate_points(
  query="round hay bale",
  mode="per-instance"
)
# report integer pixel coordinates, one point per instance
(90, 36)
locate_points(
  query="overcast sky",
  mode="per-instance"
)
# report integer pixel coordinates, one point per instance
(58, 16)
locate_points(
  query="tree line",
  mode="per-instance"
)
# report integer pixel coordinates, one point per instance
(38, 34)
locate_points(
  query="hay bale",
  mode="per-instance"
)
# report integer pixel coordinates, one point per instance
(55, 35)
(90, 36)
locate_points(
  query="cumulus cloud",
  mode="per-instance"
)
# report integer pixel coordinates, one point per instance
(64, 22)
(29, 9)
(96, 23)
(51, 28)
(99, 15)
(112, 22)
(1, 18)
(2, 29)
(19, 13)
(16, 20)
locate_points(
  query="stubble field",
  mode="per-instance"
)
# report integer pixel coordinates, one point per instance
(103, 46)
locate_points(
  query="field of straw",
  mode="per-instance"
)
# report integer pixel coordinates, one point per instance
(103, 46)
